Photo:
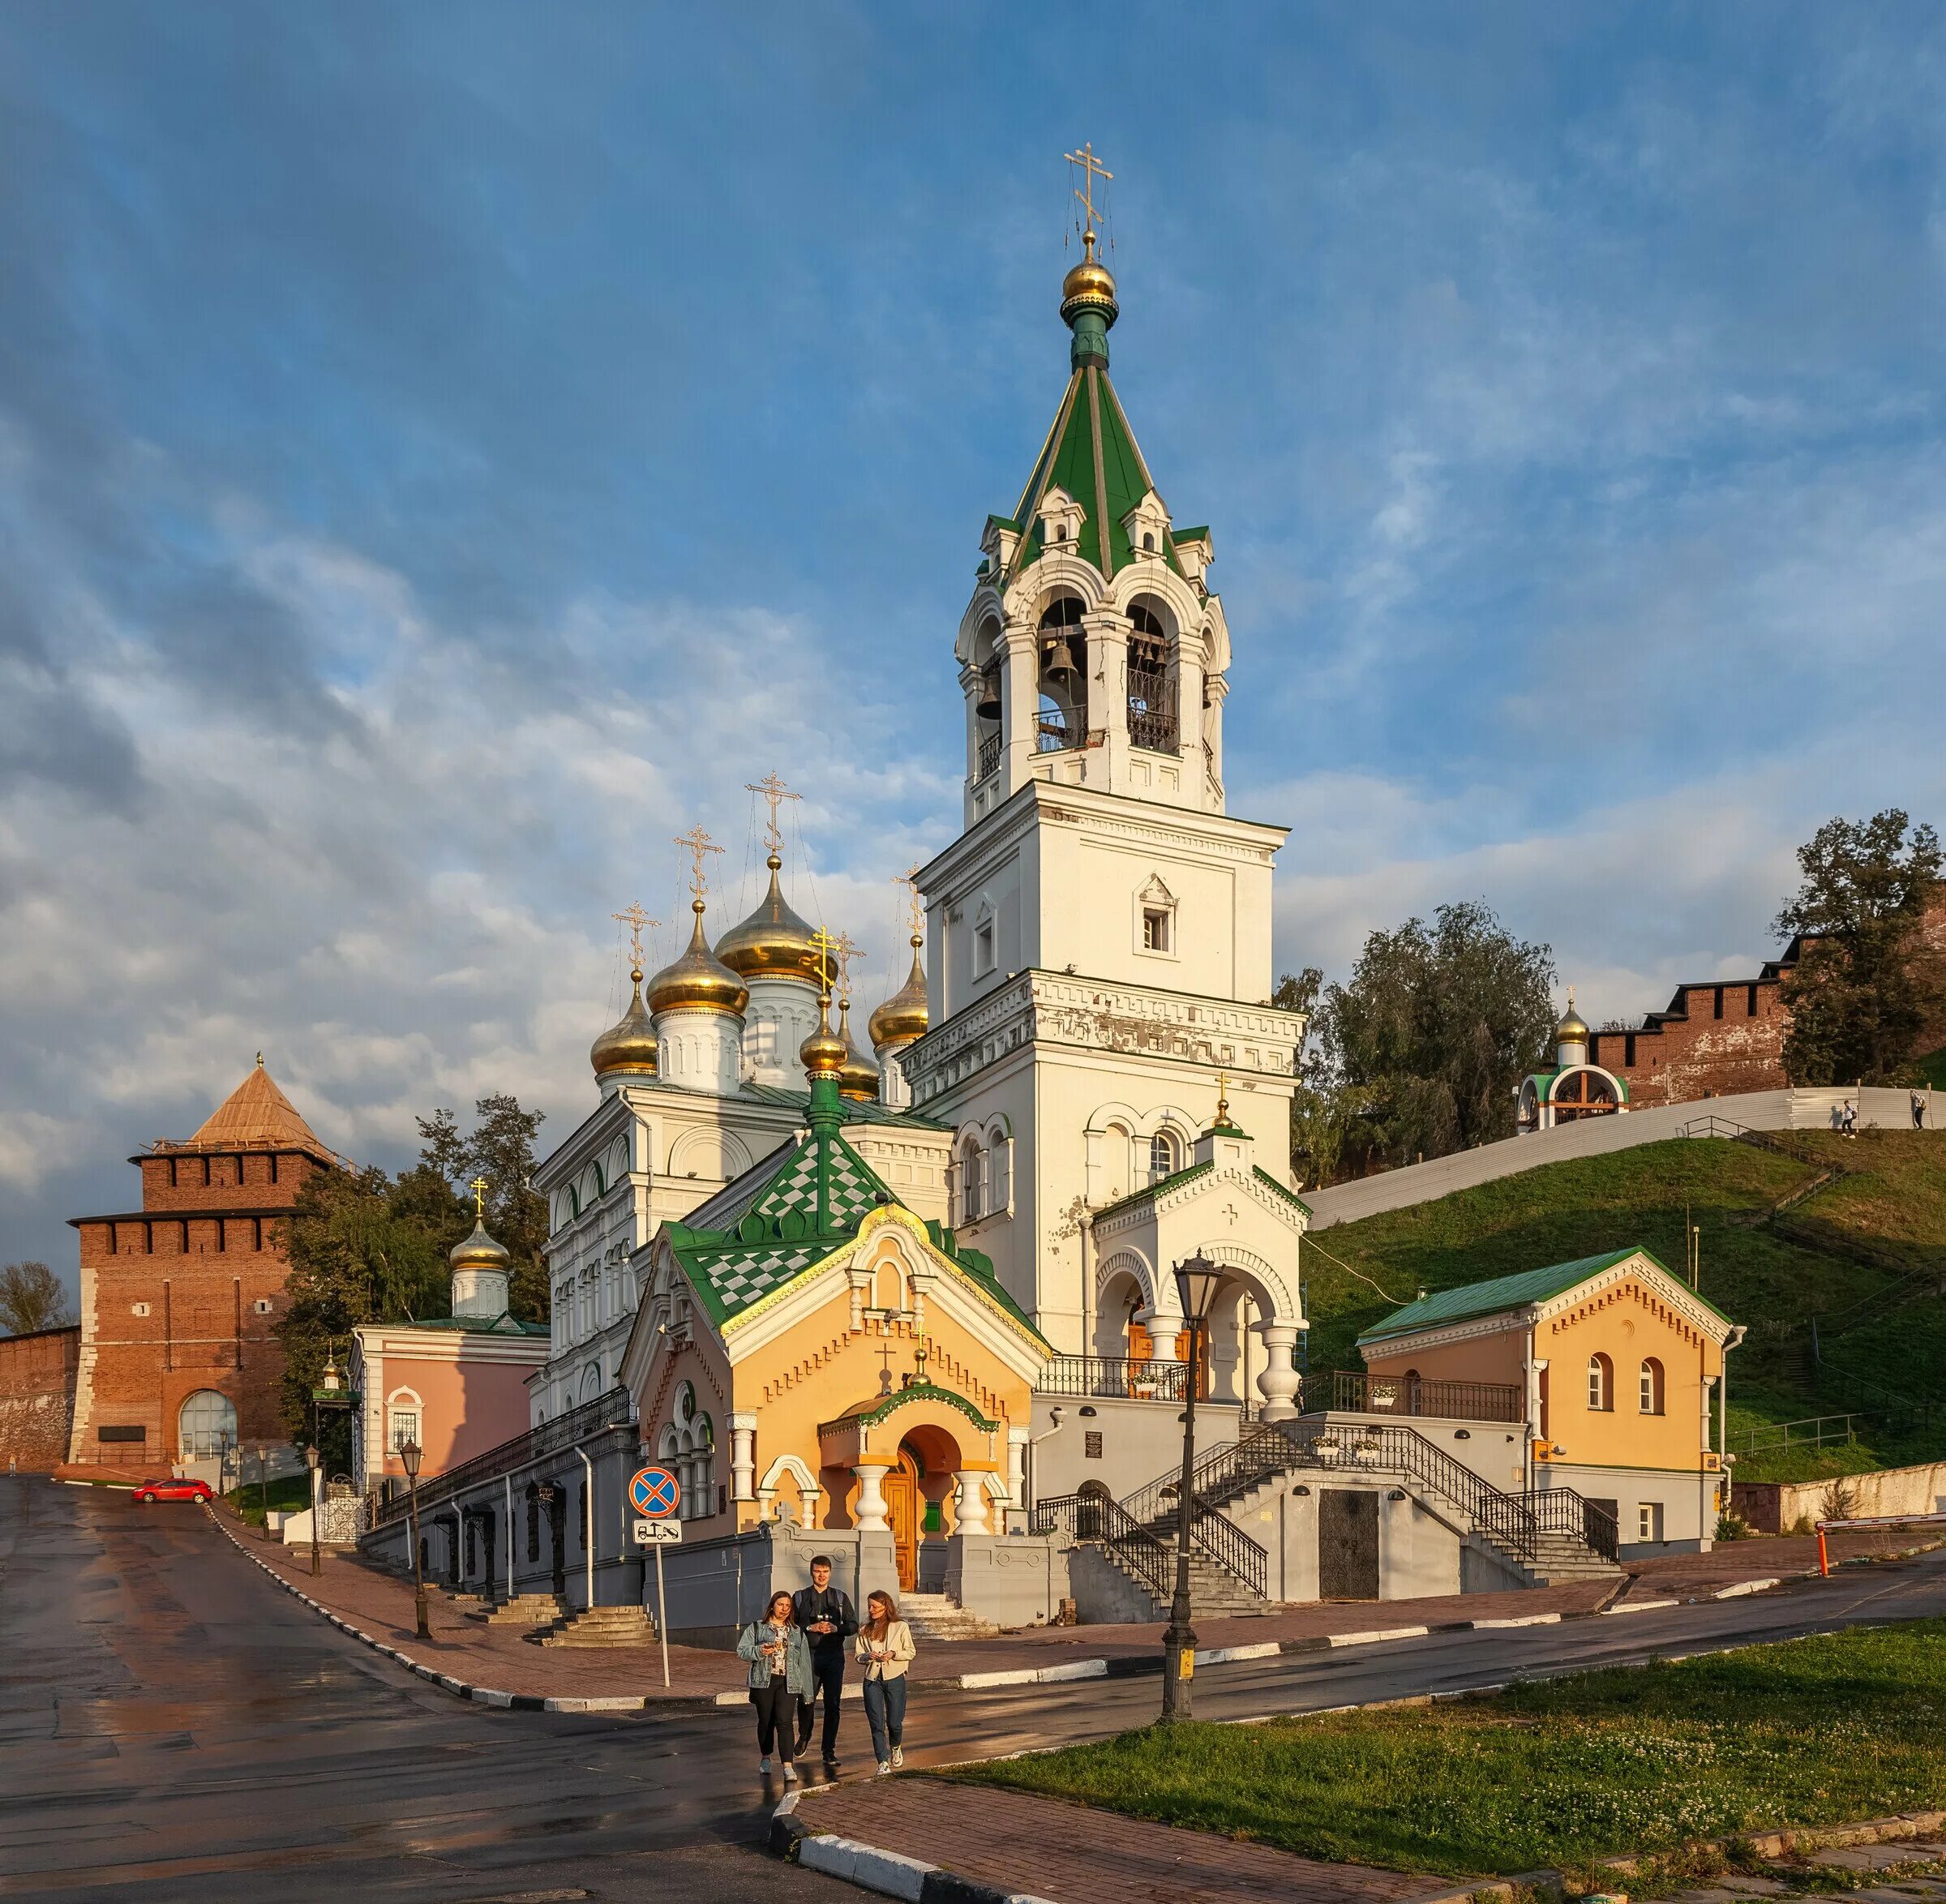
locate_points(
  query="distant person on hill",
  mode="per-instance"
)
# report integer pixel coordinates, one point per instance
(1918, 1111)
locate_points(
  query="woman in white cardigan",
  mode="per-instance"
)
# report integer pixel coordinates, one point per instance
(884, 1645)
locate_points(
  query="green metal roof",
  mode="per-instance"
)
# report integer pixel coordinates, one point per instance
(857, 1110)
(1508, 1292)
(1092, 454)
(1156, 1189)
(778, 1222)
(503, 1324)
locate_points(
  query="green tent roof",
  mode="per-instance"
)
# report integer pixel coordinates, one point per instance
(1506, 1292)
(1091, 453)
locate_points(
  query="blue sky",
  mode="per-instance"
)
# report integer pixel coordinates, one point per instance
(445, 452)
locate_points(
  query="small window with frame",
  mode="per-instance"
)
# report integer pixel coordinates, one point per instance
(1155, 928)
(983, 947)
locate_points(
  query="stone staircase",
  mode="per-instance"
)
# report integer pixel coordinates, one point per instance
(601, 1626)
(1559, 1557)
(525, 1610)
(1213, 1591)
(938, 1616)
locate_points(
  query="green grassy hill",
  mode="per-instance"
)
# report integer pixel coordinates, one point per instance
(1864, 1255)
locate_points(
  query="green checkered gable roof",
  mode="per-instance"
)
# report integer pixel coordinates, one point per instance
(770, 1232)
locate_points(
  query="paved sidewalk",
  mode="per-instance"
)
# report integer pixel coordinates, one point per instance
(1017, 1844)
(381, 1605)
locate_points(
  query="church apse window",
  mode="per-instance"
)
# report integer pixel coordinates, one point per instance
(1063, 683)
(1151, 682)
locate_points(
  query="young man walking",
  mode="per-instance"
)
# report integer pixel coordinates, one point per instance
(828, 1620)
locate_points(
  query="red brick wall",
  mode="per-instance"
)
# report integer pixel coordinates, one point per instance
(37, 1396)
(170, 1302)
(1730, 1039)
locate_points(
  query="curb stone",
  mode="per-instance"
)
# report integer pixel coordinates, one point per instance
(888, 1872)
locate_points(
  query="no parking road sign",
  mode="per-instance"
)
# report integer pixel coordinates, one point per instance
(654, 1493)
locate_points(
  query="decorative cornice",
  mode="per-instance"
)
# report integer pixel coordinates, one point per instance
(901, 1398)
(1038, 1007)
(1699, 1315)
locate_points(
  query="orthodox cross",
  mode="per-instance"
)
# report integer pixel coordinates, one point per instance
(827, 948)
(696, 842)
(478, 1187)
(909, 879)
(1091, 169)
(846, 951)
(635, 919)
(774, 790)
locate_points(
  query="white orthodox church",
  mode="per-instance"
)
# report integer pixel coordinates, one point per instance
(1085, 1081)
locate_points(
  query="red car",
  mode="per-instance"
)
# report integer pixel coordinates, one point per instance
(174, 1491)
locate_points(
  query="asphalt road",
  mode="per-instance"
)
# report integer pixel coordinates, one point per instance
(171, 1721)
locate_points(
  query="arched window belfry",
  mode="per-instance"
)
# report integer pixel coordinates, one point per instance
(1151, 682)
(986, 704)
(1063, 682)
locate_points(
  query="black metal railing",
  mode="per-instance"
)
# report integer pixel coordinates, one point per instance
(989, 756)
(613, 1409)
(1351, 1393)
(1098, 1517)
(1112, 1377)
(1561, 1510)
(1152, 730)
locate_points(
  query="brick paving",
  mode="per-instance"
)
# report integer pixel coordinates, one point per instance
(381, 1604)
(1046, 1848)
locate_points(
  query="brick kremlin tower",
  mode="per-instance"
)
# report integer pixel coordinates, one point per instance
(180, 1298)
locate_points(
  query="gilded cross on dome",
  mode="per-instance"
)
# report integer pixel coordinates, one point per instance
(1091, 169)
(774, 790)
(828, 950)
(696, 842)
(846, 950)
(478, 1187)
(635, 919)
(909, 879)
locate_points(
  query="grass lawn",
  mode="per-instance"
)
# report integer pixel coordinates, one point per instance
(289, 1494)
(1774, 1280)
(1631, 1759)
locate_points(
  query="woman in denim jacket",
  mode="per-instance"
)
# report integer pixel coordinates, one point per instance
(780, 1676)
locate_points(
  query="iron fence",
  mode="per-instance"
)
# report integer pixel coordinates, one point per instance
(1351, 1393)
(1113, 1377)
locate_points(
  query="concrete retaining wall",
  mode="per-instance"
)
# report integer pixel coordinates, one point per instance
(1755, 1110)
(1771, 1507)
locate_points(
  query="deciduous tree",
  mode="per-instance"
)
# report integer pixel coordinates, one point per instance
(1865, 983)
(31, 1299)
(1420, 1051)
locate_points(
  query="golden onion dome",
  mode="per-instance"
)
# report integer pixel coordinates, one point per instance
(824, 1052)
(905, 1015)
(479, 1251)
(857, 1075)
(629, 1044)
(1089, 286)
(1573, 1029)
(773, 942)
(699, 980)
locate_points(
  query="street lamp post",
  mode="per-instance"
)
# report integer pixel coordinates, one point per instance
(408, 1460)
(330, 1396)
(263, 1490)
(312, 1456)
(1196, 1278)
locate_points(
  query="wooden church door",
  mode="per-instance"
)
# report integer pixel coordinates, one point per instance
(900, 1490)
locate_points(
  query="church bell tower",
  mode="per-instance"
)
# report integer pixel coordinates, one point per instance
(1099, 897)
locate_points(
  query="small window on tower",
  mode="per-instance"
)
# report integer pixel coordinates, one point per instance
(1155, 928)
(983, 948)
